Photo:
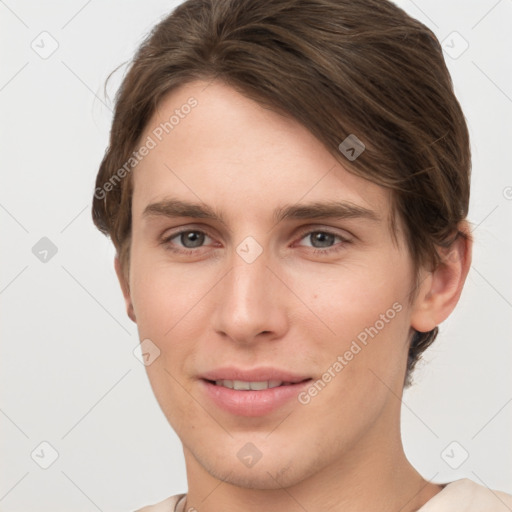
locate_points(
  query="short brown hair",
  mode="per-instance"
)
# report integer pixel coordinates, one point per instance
(339, 67)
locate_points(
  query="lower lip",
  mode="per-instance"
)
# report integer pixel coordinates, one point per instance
(252, 403)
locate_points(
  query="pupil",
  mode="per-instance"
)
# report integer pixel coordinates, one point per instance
(192, 239)
(325, 239)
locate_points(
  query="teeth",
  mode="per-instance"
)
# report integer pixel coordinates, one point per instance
(241, 385)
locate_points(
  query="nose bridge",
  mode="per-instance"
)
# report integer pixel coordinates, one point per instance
(249, 281)
(250, 301)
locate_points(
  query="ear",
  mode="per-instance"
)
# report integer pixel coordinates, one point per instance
(125, 287)
(440, 289)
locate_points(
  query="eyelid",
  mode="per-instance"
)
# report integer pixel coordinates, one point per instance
(315, 228)
(168, 235)
(172, 232)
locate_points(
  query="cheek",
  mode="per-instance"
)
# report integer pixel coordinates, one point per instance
(165, 302)
(367, 315)
(366, 353)
(164, 296)
(349, 299)
(172, 306)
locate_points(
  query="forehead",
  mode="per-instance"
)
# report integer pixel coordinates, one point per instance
(211, 144)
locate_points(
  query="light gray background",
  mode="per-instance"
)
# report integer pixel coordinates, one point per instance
(68, 373)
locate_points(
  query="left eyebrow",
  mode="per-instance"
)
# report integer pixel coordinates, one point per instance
(324, 210)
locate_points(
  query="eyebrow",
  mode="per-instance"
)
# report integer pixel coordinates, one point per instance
(176, 208)
(316, 210)
(324, 210)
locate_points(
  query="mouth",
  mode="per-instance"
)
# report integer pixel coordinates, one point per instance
(255, 395)
(241, 385)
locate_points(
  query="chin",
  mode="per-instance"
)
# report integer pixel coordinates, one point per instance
(269, 472)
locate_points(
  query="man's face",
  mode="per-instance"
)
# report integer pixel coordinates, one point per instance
(271, 294)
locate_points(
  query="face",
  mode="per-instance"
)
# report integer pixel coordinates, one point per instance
(268, 278)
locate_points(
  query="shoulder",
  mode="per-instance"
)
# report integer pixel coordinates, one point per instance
(168, 505)
(467, 496)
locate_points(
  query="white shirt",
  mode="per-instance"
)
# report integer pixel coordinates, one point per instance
(459, 496)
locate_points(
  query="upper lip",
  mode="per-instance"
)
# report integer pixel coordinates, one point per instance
(253, 374)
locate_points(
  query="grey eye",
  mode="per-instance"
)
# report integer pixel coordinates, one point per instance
(192, 239)
(321, 239)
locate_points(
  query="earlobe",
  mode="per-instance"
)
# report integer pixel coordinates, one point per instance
(125, 288)
(440, 289)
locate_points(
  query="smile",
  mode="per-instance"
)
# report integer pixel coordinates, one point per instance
(252, 392)
(241, 385)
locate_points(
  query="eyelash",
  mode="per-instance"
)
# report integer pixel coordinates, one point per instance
(330, 250)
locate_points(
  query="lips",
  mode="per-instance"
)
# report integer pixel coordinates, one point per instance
(252, 392)
(263, 374)
(242, 385)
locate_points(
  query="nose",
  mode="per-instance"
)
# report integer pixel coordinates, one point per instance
(252, 303)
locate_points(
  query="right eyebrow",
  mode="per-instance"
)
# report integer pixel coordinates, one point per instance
(176, 208)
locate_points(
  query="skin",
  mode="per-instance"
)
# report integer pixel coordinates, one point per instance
(291, 308)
